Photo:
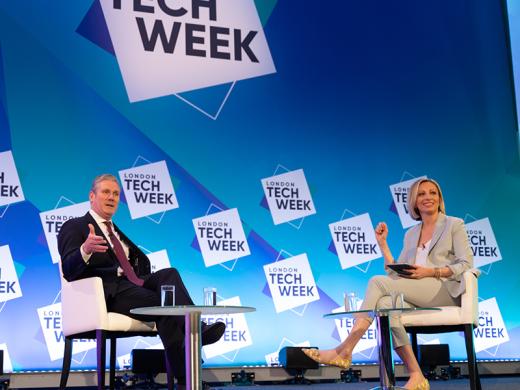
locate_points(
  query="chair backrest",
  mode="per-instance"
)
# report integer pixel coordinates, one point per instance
(469, 300)
(83, 305)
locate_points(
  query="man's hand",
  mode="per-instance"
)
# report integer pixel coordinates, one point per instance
(94, 243)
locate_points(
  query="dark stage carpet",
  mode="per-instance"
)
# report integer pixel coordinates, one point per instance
(490, 383)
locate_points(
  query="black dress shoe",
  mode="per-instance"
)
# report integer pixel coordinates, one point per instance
(212, 333)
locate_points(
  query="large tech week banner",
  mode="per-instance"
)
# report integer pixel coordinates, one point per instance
(257, 144)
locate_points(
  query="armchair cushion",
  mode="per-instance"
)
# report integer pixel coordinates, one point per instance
(467, 313)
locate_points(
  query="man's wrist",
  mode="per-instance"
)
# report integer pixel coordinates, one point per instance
(84, 254)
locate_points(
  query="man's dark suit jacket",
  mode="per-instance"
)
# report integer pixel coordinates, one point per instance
(73, 234)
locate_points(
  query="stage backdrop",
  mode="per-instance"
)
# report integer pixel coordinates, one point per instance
(257, 144)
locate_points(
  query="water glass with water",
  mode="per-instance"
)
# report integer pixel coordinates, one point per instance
(397, 300)
(168, 295)
(350, 301)
(210, 296)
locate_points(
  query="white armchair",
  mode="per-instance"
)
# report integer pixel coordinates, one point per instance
(84, 315)
(451, 319)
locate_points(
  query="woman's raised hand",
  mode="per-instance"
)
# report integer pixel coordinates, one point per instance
(381, 231)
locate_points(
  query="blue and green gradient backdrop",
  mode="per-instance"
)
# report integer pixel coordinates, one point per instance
(364, 92)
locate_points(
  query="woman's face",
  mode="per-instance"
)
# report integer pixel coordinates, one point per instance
(427, 199)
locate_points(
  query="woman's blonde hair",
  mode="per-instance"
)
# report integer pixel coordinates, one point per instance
(412, 198)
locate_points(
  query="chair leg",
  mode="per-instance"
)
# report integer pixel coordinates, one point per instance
(169, 372)
(67, 357)
(101, 357)
(474, 379)
(112, 363)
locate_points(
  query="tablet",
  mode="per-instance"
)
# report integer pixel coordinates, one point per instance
(401, 269)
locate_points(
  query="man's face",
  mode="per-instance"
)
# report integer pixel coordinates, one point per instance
(105, 198)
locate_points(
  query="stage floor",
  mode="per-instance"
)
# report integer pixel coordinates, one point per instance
(488, 383)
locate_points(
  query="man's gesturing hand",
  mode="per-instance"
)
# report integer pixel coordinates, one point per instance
(94, 243)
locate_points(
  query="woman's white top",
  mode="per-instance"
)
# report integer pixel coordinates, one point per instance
(422, 254)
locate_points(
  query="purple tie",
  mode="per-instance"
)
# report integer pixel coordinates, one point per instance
(120, 254)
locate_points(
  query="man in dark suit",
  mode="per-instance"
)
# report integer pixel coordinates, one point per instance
(93, 246)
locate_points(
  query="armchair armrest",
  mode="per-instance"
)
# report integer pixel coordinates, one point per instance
(83, 306)
(469, 299)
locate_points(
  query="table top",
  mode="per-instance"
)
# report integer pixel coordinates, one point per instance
(182, 310)
(378, 312)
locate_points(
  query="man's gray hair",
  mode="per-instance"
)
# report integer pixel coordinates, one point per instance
(98, 179)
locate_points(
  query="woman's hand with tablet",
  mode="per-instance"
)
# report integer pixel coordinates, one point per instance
(411, 271)
(401, 269)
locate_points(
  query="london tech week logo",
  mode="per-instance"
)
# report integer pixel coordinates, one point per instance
(221, 237)
(10, 187)
(291, 283)
(53, 220)
(491, 331)
(400, 193)
(148, 189)
(344, 327)
(51, 325)
(354, 240)
(483, 242)
(288, 196)
(168, 47)
(9, 284)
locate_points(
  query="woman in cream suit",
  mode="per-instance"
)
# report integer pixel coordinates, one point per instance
(439, 251)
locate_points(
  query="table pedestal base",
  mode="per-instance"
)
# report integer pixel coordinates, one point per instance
(386, 363)
(384, 339)
(192, 339)
(192, 346)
